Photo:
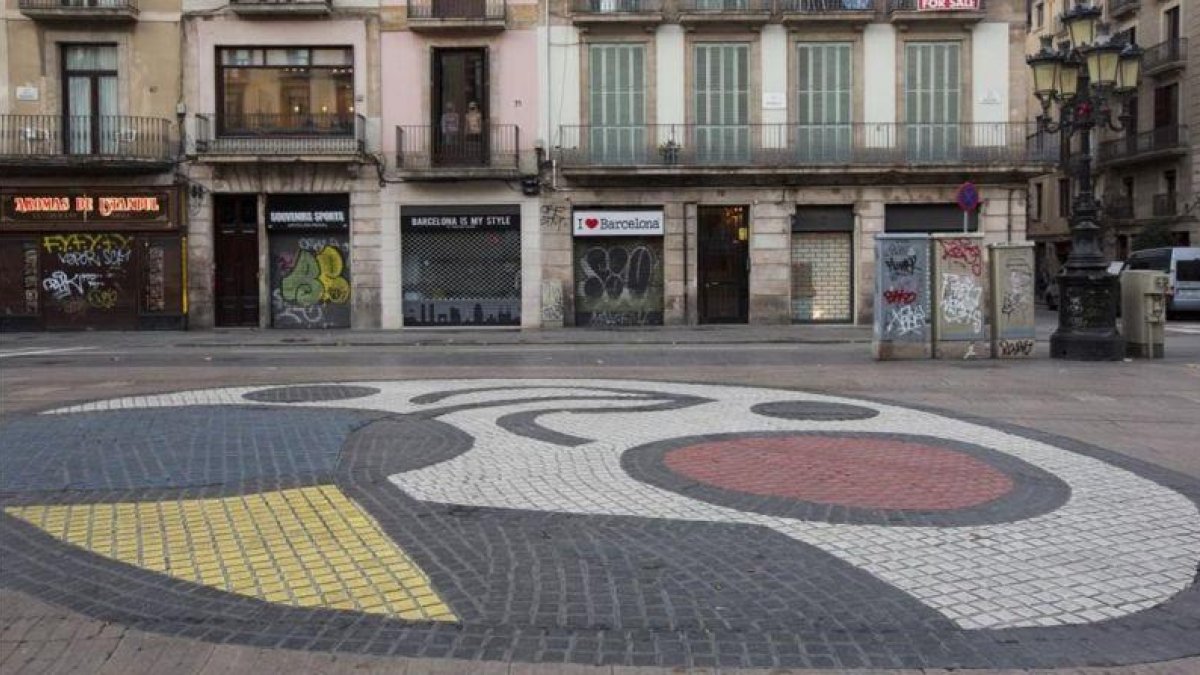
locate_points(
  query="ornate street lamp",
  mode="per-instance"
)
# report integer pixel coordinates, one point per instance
(1083, 77)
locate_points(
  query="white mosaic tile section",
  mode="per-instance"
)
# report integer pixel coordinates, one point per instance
(1119, 545)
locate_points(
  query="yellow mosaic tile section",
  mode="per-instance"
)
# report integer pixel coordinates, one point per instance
(306, 547)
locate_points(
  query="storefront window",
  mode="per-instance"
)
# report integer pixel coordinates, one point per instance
(286, 91)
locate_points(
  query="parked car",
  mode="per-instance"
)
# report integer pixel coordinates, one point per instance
(1182, 266)
(1050, 295)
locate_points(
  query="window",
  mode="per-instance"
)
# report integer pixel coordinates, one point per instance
(823, 116)
(286, 91)
(90, 110)
(1170, 181)
(1064, 197)
(1036, 206)
(932, 81)
(1171, 27)
(721, 102)
(461, 119)
(1039, 15)
(617, 102)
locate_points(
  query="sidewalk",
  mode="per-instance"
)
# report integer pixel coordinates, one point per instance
(417, 337)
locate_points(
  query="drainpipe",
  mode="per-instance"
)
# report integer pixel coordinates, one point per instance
(687, 210)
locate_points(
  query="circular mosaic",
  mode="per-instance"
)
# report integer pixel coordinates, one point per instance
(599, 522)
(869, 473)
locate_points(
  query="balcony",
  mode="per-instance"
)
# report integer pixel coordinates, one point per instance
(1119, 8)
(696, 13)
(906, 11)
(1165, 205)
(424, 154)
(80, 10)
(281, 8)
(84, 144)
(456, 15)
(803, 150)
(1118, 207)
(1165, 57)
(280, 138)
(1164, 143)
(610, 12)
(829, 11)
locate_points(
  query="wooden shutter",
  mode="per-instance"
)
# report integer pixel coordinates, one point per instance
(823, 113)
(617, 102)
(722, 103)
(932, 99)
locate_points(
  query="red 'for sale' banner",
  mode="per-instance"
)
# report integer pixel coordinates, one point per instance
(947, 4)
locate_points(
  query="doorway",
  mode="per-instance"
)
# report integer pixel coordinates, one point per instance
(235, 234)
(723, 263)
(460, 107)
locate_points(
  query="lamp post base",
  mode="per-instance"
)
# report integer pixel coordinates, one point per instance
(1087, 318)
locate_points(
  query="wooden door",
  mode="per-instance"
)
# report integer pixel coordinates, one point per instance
(236, 260)
(723, 263)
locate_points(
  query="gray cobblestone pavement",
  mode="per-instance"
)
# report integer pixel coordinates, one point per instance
(551, 579)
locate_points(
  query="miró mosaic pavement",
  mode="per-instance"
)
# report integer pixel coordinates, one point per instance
(600, 521)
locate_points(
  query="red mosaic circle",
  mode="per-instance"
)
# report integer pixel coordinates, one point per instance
(846, 471)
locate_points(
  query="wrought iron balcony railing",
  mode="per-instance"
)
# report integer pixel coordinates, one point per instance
(425, 148)
(818, 7)
(456, 10)
(616, 7)
(1120, 7)
(798, 145)
(1118, 207)
(725, 6)
(120, 10)
(85, 138)
(1165, 205)
(1147, 144)
(281, 7)
(932, 8)
(1165, 55)
(287, 134)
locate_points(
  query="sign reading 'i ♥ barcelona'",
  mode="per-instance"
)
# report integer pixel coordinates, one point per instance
(618, 223)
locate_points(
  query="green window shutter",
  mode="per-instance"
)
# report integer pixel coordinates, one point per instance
(721, 103)
(823, 113)
(617, 103)
(932, 100)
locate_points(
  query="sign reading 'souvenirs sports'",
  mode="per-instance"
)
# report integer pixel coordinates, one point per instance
(41, 206)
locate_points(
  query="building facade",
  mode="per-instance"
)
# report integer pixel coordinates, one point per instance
(754, 149)
(490, 163)
(91, 217)
(1146, 176)
(282, 105)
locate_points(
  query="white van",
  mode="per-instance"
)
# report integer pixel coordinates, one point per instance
(1182, 265)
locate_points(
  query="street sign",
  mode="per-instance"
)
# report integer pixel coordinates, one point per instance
(968, 200)
(967, 197)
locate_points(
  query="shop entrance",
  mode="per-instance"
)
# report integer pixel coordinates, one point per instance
(235, 234)
(723, 264)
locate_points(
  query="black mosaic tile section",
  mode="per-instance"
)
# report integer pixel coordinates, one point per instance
(813, 411)
(170, 447)
(310, 393)
(1034, 492)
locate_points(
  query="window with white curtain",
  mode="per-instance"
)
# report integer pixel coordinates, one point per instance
(90, 110)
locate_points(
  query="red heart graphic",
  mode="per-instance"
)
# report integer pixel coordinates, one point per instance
(591, 223)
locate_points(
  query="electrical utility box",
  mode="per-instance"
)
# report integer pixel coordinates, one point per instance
(1143, 312)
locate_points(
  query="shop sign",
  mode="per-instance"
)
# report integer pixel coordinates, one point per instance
(308, 213)
(42, 206)
(426, 219)
(618, 223)
(943, 5)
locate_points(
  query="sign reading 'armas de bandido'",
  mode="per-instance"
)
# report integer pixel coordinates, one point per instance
(73, 206)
